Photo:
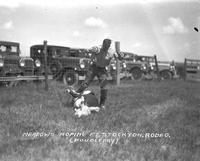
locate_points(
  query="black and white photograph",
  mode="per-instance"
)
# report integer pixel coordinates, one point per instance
(94, 80)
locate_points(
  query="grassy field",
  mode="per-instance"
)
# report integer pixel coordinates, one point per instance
(144, 121)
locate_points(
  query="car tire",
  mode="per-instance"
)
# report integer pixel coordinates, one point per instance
(136, 74)
(165, 75)
(70, 78)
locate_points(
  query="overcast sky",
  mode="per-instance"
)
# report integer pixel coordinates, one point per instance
(144, 27)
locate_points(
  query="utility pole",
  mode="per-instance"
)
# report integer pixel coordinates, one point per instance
(117, 48)
(45, 65)
(157, 68)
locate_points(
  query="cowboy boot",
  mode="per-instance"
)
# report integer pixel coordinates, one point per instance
(103, 98)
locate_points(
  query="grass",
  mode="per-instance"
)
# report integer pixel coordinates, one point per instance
(134, 109)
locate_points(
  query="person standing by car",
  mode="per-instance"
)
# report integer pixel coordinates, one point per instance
(100, 59)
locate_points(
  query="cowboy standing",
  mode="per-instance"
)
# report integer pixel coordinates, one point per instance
(101, 57)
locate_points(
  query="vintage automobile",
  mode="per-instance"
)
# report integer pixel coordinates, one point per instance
(140, 66)
(67, 64)
(137, 66)
(167, 70)
(15, 67)
(112, 70)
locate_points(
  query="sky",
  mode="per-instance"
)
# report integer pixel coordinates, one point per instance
(145, 27)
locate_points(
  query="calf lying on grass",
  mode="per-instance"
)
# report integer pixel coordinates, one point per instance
(84, 103)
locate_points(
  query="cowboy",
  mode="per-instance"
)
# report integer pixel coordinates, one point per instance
(100, 59)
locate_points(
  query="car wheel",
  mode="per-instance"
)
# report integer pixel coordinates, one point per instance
(136, 74)
(70, 78)
(166, 75)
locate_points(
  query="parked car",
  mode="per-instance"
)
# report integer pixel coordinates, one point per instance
(13, 65)
(137, 66)
(112, 70)
(67, 64)
(140, 66)
(167, 69)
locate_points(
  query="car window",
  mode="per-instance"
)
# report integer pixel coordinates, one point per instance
(2, 48)
(73, 53)
(8, 48)
(60, 52)
(39, 51)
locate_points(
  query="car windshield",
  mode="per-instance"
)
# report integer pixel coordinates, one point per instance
(8, 48)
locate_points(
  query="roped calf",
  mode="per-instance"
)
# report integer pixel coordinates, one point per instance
(84, 103)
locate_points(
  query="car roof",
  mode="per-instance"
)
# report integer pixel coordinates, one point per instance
(9, 43)
(54, 46)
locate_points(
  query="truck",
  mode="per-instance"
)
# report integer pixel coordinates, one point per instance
(167, 70)
(14, 67)
(138, 66)
(141, 66)
(112, 70)
(66, 64)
